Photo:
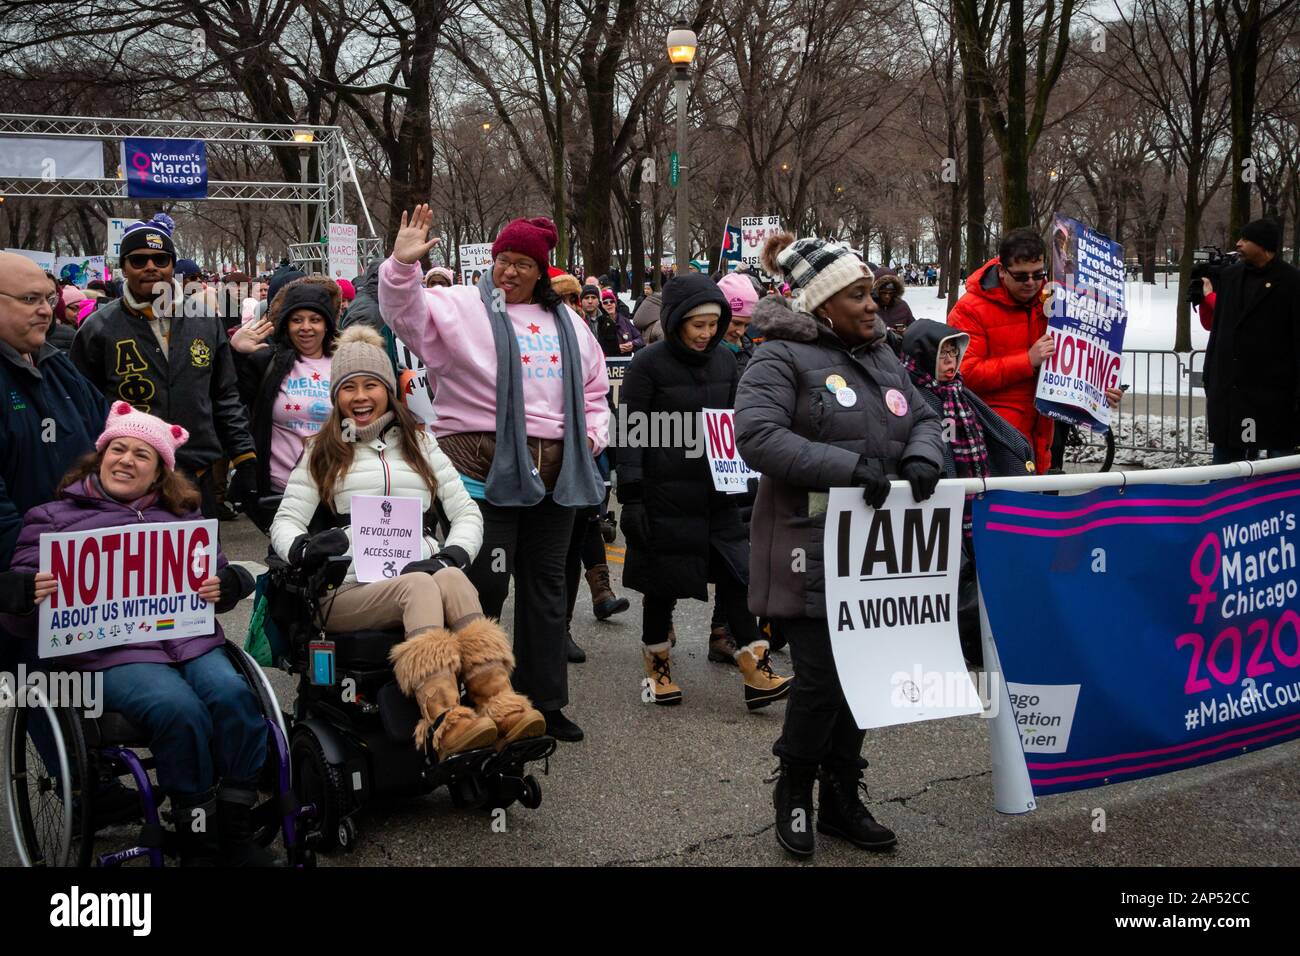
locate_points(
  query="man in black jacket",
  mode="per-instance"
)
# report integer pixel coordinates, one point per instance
(144, 350)
(1252, 362)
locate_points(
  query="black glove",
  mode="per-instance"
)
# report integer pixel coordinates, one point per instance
(921, 475)
(243, 484)
(314, 551)
(452, 557)
(636, 525)
(17, 592)
(869, 475)
(236, 584)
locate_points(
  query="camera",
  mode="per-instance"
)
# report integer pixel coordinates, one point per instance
(1207, 262)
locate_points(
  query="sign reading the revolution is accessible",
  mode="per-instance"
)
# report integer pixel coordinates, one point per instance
(1087, 319)
(387, 534)
(126, 585)
(1147, 629)
(729, 471)
(891, 603)
(165, 168)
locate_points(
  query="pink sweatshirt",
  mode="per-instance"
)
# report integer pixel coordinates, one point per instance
(448, 328)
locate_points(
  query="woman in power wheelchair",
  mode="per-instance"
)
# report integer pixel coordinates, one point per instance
(353, 724)
(198, 703)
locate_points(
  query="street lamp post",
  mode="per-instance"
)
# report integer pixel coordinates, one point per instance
(681, 51)
(304, 138)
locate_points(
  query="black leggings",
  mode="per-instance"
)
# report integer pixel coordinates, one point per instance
(732, 598)
(819, 728)
(586, 550)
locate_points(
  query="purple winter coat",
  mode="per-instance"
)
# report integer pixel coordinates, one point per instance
(74, 510)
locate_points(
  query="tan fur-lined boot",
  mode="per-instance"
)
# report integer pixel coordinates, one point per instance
(486, 662)
(659, 674)
(762, 685)
(426, 665)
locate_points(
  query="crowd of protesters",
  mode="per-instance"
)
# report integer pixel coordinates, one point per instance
(181, 395)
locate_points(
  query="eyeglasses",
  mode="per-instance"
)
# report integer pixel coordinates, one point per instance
(523, 265)
(142, 260)
(1038, 276)
(32, 298)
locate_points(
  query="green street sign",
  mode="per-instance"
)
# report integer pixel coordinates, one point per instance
(672, 169)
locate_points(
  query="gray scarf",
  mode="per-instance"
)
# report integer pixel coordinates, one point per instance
(513, 480)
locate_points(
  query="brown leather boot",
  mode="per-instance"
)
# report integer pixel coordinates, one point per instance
(425, 666)
(762, 685)
(604, 602)
(486, 662)
(659, 674)
(722, 649)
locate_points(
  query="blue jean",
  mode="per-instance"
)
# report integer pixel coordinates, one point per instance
(202, 718)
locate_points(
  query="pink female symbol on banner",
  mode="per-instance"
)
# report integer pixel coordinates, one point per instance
(141, 157)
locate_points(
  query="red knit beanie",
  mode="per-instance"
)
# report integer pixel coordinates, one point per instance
(534, 238)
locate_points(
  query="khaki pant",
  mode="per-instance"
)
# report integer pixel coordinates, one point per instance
(416, 601)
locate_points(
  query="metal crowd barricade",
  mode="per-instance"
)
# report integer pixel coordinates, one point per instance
(1157, 416)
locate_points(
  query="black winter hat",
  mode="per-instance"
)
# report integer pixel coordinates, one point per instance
(308, 295)
(152, 236)
(280, 278)
(684, 293)
(1265, 233)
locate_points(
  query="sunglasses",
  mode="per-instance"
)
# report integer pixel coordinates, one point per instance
(1038, 276)
(142, 260)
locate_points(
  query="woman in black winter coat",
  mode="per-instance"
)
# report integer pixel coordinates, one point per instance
(283, 363)
(681, 532)
(823, 404)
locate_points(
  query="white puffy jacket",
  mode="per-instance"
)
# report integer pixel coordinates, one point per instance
(378, 468)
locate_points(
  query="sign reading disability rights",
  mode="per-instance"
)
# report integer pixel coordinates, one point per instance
(891, 603)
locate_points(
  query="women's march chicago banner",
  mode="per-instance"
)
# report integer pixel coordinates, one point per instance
(1147, 629)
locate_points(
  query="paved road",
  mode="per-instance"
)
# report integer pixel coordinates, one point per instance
(690, 785)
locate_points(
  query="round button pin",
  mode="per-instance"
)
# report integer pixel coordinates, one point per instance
(846, 396)
(836, 382)
(896, 401)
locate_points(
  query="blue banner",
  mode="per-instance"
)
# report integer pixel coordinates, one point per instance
(1145, 630)
(1087, 319)
(730, 244)
(165, 168)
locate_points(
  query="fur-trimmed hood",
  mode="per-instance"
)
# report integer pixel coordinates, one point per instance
(775, 319)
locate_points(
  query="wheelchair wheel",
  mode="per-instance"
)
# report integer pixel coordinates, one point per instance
(319, 782)
(532, 795)
(43, 772)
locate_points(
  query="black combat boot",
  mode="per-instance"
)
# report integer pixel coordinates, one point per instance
(793, 801)
(841, 812)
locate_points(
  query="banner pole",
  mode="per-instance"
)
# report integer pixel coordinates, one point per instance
(1012, 791)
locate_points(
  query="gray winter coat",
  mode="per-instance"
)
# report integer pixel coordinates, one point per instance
(792, 430)
(364, 309)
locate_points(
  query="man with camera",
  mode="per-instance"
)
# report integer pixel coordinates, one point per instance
(1252, 362)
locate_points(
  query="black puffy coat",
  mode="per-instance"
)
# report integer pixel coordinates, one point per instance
(792, 430)
(1252, 362)
(687, 517)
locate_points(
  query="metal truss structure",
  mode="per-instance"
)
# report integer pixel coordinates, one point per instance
(324, 199)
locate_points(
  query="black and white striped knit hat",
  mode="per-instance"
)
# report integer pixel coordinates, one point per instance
(816, 269)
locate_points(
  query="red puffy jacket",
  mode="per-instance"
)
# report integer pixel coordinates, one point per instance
(996, 364)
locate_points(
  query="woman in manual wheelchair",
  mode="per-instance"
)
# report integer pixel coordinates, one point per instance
(205, 725)
(371, 445)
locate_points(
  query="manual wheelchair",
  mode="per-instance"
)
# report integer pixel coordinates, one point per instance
(57, 760)
(351, 738)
